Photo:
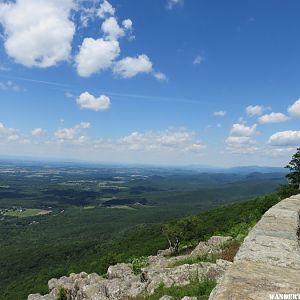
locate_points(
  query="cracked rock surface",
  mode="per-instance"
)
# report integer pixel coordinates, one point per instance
(268, 262)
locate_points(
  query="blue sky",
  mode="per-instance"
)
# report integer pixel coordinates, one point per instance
(157, 82)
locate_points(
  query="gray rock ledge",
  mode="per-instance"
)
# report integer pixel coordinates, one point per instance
(268, 261)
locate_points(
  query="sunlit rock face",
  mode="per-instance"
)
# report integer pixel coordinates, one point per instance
(268, 262)
(121, 283)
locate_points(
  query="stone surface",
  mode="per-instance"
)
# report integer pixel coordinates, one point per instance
(121, 283)
(166, 298)
(119, 271)
(256, 280)
(218, 241)
(268, 261)
(213, 245)
(39, 297)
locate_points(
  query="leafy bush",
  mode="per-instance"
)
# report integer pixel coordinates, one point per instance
(228, 252)
(233, 219)
(138, 263)
(287, 190)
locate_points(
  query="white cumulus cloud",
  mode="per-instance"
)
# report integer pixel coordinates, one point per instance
(243, 130)
(72, 134)
(65, 134)
(127, 24)
(241, 139)
(106, 10)
(111, 29)
(37, 33)
(168, 140)
(5, 131)
(89, 101)
(96, 55)
(131, 66)
(160, 76)
(294, 109)
(37, 132)
(285, 138)
(273, 118)
(255, 110)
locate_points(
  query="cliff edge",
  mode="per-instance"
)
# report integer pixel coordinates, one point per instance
(268, 262)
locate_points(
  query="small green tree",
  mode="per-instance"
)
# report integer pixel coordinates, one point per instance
(174, 233)
(294, 167)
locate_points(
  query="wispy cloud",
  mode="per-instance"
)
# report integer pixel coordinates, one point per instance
(220, 113)
(58, 84)
(173, 3)
(198, 60)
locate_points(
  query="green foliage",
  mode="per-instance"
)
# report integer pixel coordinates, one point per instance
(92, 239)
(294, 167)
(197, 288)
(187, 246)
(138, 263)
(293, 186)
(197, 259)
(39, 261)
(174, 234)
(287, 190)
(233, 219)
(229, 249)
(62, 295)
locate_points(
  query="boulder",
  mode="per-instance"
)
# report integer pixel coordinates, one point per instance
(213, 245)
(218, 241)
(121, 271)
(121, 283)
(201, 249)
(40, 297)
(165, 252)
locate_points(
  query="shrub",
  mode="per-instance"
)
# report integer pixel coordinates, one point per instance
(138, 263)
(287, 190)
(230, 250)
(62, 295)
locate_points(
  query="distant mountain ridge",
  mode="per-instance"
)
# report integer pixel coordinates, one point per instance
(197, 168)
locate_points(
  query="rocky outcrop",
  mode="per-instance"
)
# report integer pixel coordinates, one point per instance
(120, 281)
(268, 262)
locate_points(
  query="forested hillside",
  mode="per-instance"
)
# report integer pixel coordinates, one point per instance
(35, 265)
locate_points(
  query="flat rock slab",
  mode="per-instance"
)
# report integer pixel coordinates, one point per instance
(255, 280)
(268, 261)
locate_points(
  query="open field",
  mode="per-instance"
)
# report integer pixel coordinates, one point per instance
(28, 212)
